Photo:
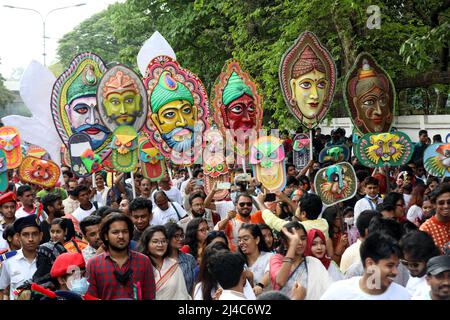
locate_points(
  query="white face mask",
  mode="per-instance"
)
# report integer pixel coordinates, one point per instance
(349, 221)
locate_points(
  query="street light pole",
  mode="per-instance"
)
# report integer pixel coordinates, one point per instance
(44, 54)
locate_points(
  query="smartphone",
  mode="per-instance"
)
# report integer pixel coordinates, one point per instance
(224, 185)
(270, 197)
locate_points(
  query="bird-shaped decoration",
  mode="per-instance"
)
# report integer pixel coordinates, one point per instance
(438, 165)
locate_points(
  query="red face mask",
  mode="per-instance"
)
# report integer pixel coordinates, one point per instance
(240, 113)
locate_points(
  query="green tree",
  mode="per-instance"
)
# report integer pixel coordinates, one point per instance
(6, 96)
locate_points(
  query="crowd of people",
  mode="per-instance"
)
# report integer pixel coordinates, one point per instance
(174, 242)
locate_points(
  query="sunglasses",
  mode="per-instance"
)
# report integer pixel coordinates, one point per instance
(442, 202)
(411, 264)
(243, 204)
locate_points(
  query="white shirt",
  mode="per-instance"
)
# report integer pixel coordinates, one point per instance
(414, 213)
(259, 267)
(416, 285)
(15, 271)
(231, 295)
(3, 242)
(100, 197)
(350, 256)
(20, 213)
(164, 216)
(173, 194)
(422, 293)
(248, 291)
(350, 290)
(334, 272)
(80, 214)
(222, 208)
(364, 204)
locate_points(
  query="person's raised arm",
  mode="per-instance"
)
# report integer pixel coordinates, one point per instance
(304, 171)
(221, 225)
(208, 201)
(285, 270)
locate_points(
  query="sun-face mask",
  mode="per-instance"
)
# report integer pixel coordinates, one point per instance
(44, 173)
(335, 183)
(125, 149)
(10, 144)
(152, 161)
(268, 160)
(3, 173)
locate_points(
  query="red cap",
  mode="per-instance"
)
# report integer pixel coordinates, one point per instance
(65, 262)
(8, 197)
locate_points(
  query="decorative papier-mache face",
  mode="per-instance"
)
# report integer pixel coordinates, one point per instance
(3, 172)
(268, 160)
(237, 104)
(436, 159)
(10, 144)
(44, 173)
(378, 150)
(152, 161)
(334, 154)
(74, 102)
(122, 98)
(179, 110)
(125, 149)
(301, 149)
(370, 96)
(336, 183)
(307, 77)
(79, 143)
(216, 171)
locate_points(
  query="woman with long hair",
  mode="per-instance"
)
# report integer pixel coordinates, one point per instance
(316, 247)
(187, 262)
(290, 268)
(415, 211)
(169, 279)
(196, 233)
(253, 247)
(336, 231)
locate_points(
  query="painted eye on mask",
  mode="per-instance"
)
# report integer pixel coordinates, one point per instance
(236, 109)
(273, 155)
(128, 144)
(219, 167)
(208, 168)
(259, 155)
(305, 85)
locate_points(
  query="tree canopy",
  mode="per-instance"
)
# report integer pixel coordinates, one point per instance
(5, 95)
(411, 43)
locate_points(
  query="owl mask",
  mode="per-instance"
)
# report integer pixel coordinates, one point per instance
(44, 173)
(152, 161)
(268, 160)
(125, 149)
(10, 144)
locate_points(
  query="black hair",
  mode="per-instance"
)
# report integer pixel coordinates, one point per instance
(363, 221)
(288, 165)
(437, 138)
(311, 204)
(171, 229)
(255, 231)
(196, 173)
(446, 180)
(146, 236)
(408, 226)
(227, 268)
(430, 179)
(361, 175)
(22, 189)
(60, 222)
(347, 210)
(8, 232)
(388, 226)
(191, 235)
(419, 245)
(68, 173)
(377, 246)
(385, 206)
(392, 198)
(49, 200)
(91, 220)
(423, 131)
(272, 295)
(80, 188)
(330, 214)
(285, 241)
(242, 194)
(104, 211)
(370, 181)
(196, 195)
(216, 234)
(109, 220)
(140, 203)
(292, 180)
(440, 190)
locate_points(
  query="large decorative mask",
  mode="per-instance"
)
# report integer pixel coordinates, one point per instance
(436, 159)
(334, 154)
(153, 164)
(83, 160)
(44, 173)
(336, 183)
(122, 99)
(268, 160)
(3, 172)
(10, 144)
(216, 171)
(307, 78)
(179, 110)
(384, 149)
(74, 102)
(237, 105)
(369, 94)
(125, 149)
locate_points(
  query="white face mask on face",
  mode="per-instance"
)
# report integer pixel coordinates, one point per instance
(349, 221)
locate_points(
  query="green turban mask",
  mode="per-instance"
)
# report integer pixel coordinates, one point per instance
(168, 90)
(234, 89)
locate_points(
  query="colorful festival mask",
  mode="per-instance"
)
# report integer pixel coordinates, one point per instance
(10, 144)
(384, 149)
(336, 183)
(307, 77)
(436, 159)
(125, 149)
(216, 171)
(74, 102)
(91, 161)
(36, 151)
(153, 164)
(301, 150)
(237, 105)
(268, 160)
(122, 99)
(3, 172)
(179, 110)
(369, 95)
(44, 173)
(334, 154)
(78, 144)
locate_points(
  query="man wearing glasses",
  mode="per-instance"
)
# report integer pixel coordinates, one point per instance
(438, 226)
(236, 218)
